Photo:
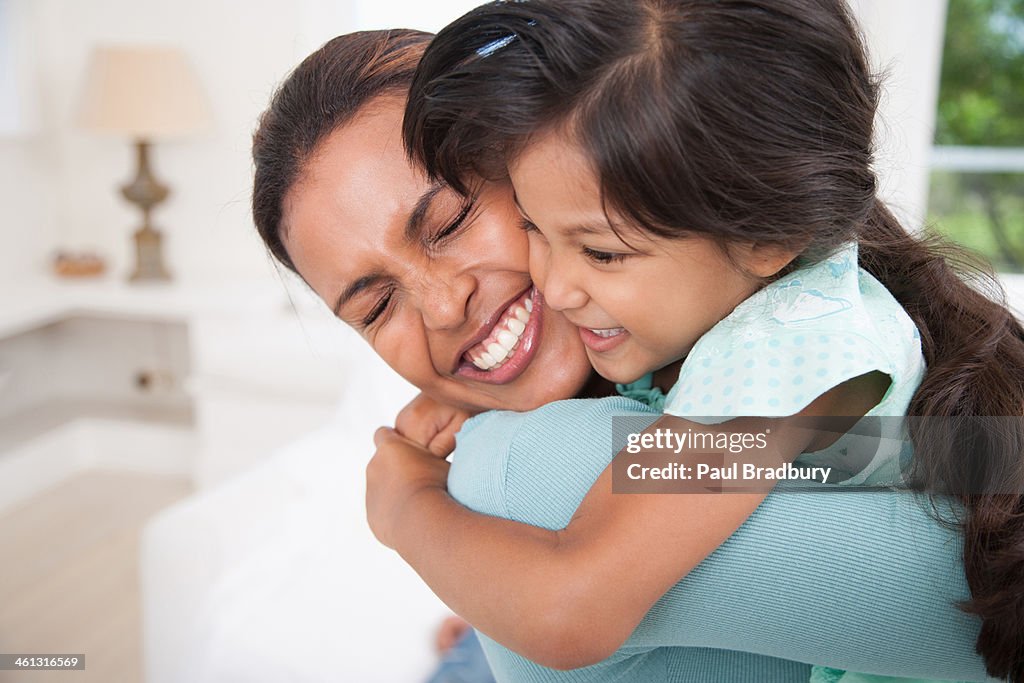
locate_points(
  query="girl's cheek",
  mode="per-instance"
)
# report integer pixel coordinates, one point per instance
(538, 263)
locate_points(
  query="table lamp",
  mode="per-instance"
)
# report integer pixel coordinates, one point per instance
(145, 93)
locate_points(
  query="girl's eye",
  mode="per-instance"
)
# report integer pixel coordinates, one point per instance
(379, 309)
(454, 226)
(602, 257)
(530, 228)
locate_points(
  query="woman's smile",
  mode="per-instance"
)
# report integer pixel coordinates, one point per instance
(501, 351)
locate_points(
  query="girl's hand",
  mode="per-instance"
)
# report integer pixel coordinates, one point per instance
(399, 471)
(431, 424)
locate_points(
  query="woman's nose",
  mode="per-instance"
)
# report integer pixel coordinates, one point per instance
(445, 299)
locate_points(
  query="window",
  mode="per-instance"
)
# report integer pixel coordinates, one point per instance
(977, 182)
(9, 107)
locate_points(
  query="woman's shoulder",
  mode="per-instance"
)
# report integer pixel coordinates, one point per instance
(552, 419)
(535, 466)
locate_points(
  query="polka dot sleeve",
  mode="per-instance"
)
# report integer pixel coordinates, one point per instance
(794, 340)
(774, 376)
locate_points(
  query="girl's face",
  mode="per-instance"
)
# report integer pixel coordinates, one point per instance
(637, 306)
(429, 279)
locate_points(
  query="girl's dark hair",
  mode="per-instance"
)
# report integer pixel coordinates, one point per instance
(323, 93)
(752, 120)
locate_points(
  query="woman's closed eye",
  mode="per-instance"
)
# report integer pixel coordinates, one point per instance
(453, 226)
(379, 308)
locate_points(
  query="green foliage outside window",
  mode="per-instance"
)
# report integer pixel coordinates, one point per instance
(981, 103)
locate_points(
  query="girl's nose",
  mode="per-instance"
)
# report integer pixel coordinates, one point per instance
(556, 281)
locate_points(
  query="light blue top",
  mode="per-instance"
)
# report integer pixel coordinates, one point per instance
(794, 340)
(768, 602)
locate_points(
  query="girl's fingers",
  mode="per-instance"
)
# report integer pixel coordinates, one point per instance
(442, 444)
(383, 435)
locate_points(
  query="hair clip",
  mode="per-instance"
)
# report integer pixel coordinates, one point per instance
(495, 45)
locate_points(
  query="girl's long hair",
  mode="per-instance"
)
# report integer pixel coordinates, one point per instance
(752, 121)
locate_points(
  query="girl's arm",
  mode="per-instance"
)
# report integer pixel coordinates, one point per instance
(859, 580)
(822, 578)
(568, 598)
(561, 598)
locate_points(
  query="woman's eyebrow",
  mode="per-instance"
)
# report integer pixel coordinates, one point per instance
(356, 287)
(414, 225)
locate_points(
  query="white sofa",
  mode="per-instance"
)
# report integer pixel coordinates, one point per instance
(274, 576)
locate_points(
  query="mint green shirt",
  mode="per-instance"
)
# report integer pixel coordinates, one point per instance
(795, 339)
(791, 342)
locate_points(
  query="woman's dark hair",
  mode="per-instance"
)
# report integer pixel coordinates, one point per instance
(752, 120)
(323, 93)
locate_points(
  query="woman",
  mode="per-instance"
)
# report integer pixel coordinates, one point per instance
(426, 275)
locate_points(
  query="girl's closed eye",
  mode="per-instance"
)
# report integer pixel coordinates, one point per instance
(603, 257)
(528, 226)
(599, 256)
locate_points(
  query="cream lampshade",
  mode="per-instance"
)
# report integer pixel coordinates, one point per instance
(145, 93)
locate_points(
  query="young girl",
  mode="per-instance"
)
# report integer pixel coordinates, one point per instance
(696, 178)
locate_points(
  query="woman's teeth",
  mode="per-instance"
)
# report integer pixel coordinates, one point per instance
(609, 332)
(500, 345)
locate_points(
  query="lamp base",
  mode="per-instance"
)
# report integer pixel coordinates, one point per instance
(149, 263)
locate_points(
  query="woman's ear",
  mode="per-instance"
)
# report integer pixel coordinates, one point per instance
(763, 260)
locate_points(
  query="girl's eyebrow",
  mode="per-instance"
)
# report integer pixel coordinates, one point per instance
(519, 207)
(578, 230)
(574, 231)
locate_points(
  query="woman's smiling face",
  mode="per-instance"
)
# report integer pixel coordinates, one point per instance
(438, 285)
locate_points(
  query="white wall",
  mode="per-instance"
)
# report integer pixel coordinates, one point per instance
(426, 16)
(905, 41)
(25, 169)
(14, 82)
(240, 50)
(28, 219)
(58, 184)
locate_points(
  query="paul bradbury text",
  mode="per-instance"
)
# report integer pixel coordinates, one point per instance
(733, 472)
